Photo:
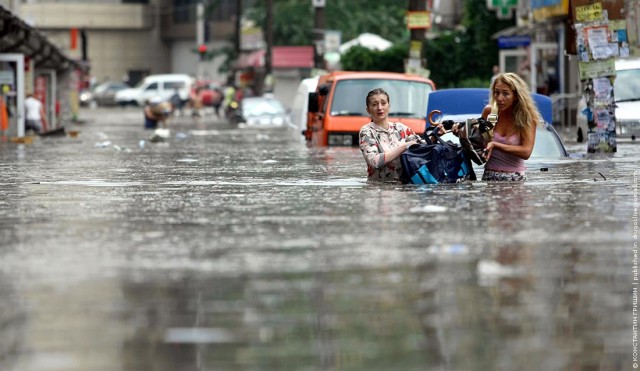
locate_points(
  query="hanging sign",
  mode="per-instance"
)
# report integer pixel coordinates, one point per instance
(589, 13)
(418, 20)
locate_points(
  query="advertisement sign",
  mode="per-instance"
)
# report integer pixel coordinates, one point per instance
(588, 9)
(545, 9)
(40, 89)
(418, 20)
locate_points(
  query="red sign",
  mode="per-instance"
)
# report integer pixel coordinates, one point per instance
(73, 36)
(40, 89)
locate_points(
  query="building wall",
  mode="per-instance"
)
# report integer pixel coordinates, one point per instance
(103, 15)
(124, 37)
(112, 54)
(120, 38)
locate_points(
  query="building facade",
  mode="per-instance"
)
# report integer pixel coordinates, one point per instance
(125, 40)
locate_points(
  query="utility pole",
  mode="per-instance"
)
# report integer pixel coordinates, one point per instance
(238, 25)
(200, 37)
(269, 38)
(417, 11)
(318, 6)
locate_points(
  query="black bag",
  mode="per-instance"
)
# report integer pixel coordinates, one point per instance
(474, 137)
(435, 162)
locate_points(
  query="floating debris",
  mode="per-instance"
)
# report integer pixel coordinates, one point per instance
(103, 144)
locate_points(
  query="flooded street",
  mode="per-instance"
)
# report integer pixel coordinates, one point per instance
(239, 249)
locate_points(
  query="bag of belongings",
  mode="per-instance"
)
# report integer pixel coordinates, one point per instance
(436, 161)
(474, 137)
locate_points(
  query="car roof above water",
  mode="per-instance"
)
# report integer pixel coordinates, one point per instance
(628, 64)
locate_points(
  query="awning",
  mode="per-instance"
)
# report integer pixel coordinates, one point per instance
(16, 36)
(292, 57)
(282, 57)
(528, 30)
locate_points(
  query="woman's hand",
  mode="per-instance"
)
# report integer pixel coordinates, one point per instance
(409, 143)
(487, 151)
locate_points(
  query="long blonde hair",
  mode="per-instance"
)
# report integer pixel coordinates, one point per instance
(525, 111)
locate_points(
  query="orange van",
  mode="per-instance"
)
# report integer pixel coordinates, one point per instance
(337, 109)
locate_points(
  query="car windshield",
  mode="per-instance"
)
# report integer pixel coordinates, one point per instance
(627, 85)
(260, 106)
(546, 145)
(407, 98)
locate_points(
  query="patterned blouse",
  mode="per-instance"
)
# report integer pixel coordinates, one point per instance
(375, 141)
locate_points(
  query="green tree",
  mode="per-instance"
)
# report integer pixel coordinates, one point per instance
(359, 58)
(469, 53)
(462, 57)
(293, 20)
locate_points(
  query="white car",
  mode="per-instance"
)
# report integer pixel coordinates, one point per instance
(162, 86)
(626, 91)
(300, 105)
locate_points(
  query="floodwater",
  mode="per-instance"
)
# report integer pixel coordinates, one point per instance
(241, 249)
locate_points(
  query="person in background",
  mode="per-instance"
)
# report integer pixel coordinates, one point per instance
(218, 96)
(35, 116)
(195, 102)
(382, 142)
(515, 131)
(176, 101)
(156, 111)
(229, 98)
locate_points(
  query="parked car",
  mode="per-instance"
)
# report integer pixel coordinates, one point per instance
(86, 95)
(105, 94)
(162, 86)
(626, 92)
(263, 111)
(467, 103)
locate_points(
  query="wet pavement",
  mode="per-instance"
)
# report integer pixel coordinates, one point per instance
(241, 249)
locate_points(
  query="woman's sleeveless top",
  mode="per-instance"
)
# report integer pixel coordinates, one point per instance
(503, 161)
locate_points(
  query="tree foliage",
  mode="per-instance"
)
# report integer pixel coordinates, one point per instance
(467, 53)
(460, 57)
(293, 20)
(359, 58)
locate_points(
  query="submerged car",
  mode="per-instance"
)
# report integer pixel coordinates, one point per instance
(467, 103)
(263, 111)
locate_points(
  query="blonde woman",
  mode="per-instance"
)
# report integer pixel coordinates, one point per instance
(515, 131)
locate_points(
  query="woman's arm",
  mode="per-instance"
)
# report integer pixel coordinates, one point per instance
(486, 111)
(373, 154)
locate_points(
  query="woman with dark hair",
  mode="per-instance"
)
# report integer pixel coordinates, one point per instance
(382, 142)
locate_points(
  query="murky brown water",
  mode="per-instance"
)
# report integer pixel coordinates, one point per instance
(234, 249)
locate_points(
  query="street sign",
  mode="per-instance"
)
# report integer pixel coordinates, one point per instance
(512, 42)
(332, 40)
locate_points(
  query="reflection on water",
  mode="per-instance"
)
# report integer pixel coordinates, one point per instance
(237, 249)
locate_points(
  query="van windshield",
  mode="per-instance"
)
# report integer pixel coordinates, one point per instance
(407, 98)
(627, 85)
